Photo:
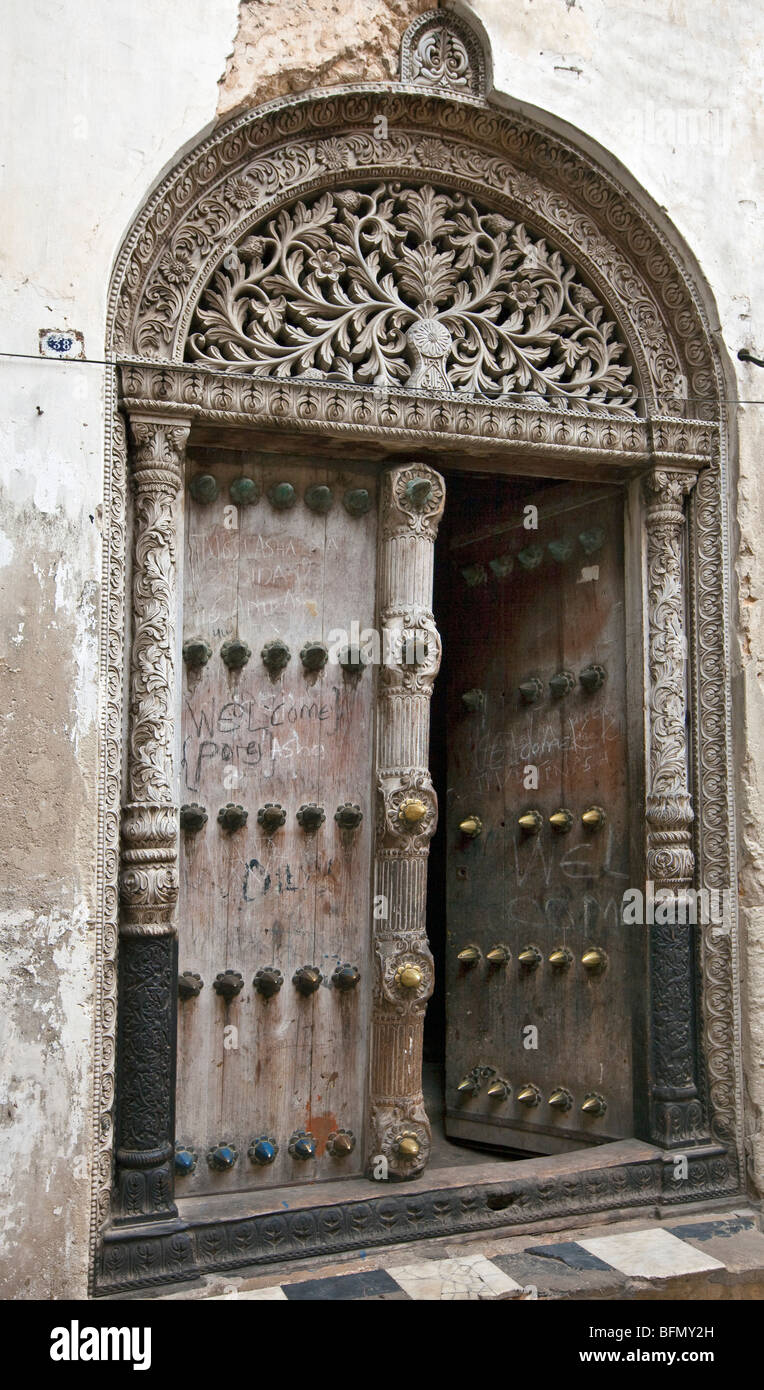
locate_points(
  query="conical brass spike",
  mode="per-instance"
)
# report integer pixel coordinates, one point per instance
(594, 958)
(594, 817)
(472, 827)
(528, 1095)
(594, 1104)
(560, 956)
(498, 955)
(498, 1088)
(468, 1084)
(469, 956)
(561, 1099)
(530, 955)
(408, 1146)
(530, 821)
(561, 820)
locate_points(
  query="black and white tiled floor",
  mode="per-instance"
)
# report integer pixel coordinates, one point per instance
(611, 1263)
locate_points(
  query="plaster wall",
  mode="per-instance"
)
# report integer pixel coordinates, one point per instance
(101, 98)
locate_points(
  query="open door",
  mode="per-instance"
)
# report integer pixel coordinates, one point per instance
(545, 989)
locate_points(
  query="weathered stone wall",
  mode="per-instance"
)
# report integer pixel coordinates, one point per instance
(282, 48)
(668, 90)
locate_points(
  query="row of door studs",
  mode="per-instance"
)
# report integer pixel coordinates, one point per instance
(497, 1089)
(268, 981)
(271, 817)
(594, 959)
(263, 1150)
(246, 492)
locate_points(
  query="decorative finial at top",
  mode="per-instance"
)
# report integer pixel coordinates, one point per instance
(441, 49)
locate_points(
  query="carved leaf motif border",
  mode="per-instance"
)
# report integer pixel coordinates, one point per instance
(585, 204)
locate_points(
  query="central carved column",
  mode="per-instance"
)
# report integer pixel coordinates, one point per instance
(411, 507)
(149, 875)
(676, 1111)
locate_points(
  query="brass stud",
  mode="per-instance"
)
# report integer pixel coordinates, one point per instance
(244, 492)
(594, 818)
(228, 983)
(561, 1099)
(348, 816)
(592, 678)
(192, 817)
(357, 501)
(203, 488)
(419, 492)
(594, 1104)
(268, 981)
(501, 566)
(529, 1095)
(340, 1143)
(530, 957)
(530, 822)
(560, 550)
(275, 656)
(499, 1090)
(561, 822)
(319, 499)
(471, 827)
(498, 955)
(470, 1085)
(345, 977)
(561, 958)
(473, 700)
(531, 690)
(196, 653)
(235, 654)
(469, 956)
(232, 817)
(408, 976)
(282, 496)
(314, 656)
(562, 683)
(271, 817)
(311, 816)
(307, 979)
(594, 960)
(474, 576)
(190, 984)
(407, 1146)
(530, 558)
(591, 540)
(412, 812)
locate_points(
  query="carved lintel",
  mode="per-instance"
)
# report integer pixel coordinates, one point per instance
(148, 882)
(412, 503)
(677, 1114)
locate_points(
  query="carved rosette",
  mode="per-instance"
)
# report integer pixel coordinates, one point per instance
(149, 872)
(412, 500)
(677, 1114)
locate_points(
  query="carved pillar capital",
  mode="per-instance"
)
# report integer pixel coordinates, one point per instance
(158, 452)
(412, 501)
(149, 873)
(676, 1111)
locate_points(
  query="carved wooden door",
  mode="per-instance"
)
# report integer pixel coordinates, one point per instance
(277, 824)
(545, 988)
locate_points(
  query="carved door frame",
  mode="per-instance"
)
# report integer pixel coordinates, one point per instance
(439, 126)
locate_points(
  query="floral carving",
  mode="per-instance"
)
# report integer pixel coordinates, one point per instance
(442, 50)
(393, 285)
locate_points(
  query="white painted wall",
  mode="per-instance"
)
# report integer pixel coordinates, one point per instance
(99, 98)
